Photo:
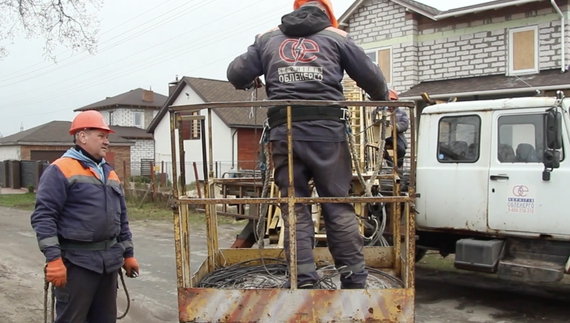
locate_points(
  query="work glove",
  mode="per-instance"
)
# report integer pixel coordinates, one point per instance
(56, 272)
(131, 267)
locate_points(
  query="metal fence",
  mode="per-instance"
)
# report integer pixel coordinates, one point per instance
(21, 173)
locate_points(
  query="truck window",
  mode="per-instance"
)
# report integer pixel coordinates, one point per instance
(458, 139)
(521, 138)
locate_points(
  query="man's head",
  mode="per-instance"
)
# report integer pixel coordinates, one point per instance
(324, 5)
(91, 132)
(392, 96)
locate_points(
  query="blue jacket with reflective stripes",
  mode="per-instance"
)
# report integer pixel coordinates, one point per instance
(80, 203)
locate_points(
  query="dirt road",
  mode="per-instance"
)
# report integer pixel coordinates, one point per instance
(442, 296)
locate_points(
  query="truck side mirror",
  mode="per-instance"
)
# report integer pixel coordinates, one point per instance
(551, 159)
(553, 130)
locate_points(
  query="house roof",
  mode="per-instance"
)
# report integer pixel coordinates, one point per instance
(433, 13)
(490, 85)
(51, 134)
(132, 98)
(210, 90)
(131, 132)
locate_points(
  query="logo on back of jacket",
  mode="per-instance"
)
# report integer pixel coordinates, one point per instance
(300, 53)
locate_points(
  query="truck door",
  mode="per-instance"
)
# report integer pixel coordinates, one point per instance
(519, 200)
(453, 166)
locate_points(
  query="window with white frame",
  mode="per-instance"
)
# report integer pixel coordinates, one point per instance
(523, 50)
(138, 119)
(382, 57)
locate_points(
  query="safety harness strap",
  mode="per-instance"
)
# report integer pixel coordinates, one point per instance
(278, 115)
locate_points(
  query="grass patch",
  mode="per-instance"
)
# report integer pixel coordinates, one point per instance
(25, 201)
(436, 261)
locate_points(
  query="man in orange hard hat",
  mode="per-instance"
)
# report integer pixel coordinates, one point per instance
(305, 58)
(81, 224)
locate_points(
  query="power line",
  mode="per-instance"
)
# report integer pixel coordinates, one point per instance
(98, 69)
(87, 56)
(129, 71)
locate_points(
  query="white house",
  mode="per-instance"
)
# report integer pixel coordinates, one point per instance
(129, 114)
(235, 131)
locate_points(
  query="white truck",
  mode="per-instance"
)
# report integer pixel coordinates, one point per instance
(491, 178)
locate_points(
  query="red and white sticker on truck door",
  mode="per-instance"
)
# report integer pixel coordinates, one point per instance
(521, 199)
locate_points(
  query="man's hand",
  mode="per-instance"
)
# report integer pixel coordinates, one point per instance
(131, 267)
(256, 84)
(56, 272)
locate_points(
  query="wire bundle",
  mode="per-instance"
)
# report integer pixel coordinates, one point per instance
(273, 273)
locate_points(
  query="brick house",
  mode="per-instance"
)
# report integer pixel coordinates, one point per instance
(236, 130)
(132, 112)
(495, 49)
(50, 140)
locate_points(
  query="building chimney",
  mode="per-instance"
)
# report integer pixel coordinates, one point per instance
(148, 96)
(172, 86)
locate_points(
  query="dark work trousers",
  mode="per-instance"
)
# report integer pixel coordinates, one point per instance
(88, 297)
(329, 164)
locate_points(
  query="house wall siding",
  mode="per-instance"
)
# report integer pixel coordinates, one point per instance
(143, 149)
(9, 152)
(122, 161)
(378, 22)
(125, 116)
(465, 46)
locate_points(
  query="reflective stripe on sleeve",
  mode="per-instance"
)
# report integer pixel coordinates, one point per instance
(48, 242)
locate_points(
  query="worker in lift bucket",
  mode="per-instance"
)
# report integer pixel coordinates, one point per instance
(305, 58)
(81, 224)
(402, 125)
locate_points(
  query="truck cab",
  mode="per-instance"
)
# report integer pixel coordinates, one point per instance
(491, 178)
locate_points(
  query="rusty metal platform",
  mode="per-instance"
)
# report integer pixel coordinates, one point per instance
(293, 305)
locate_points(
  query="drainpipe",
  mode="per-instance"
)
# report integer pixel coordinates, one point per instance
(562, 40)
(233, 148)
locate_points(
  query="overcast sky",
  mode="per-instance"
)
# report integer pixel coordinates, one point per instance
(142, 44)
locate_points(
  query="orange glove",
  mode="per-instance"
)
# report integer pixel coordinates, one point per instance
(56, 272)
(132, 267)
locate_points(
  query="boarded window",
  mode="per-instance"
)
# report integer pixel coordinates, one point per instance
(385, 63)
(383, 57)
(523, 50)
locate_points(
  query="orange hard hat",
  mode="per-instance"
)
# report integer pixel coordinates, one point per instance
(393, 95)
(298, 3)
(89, 119)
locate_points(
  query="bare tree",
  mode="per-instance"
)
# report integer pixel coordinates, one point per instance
(60, 22)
